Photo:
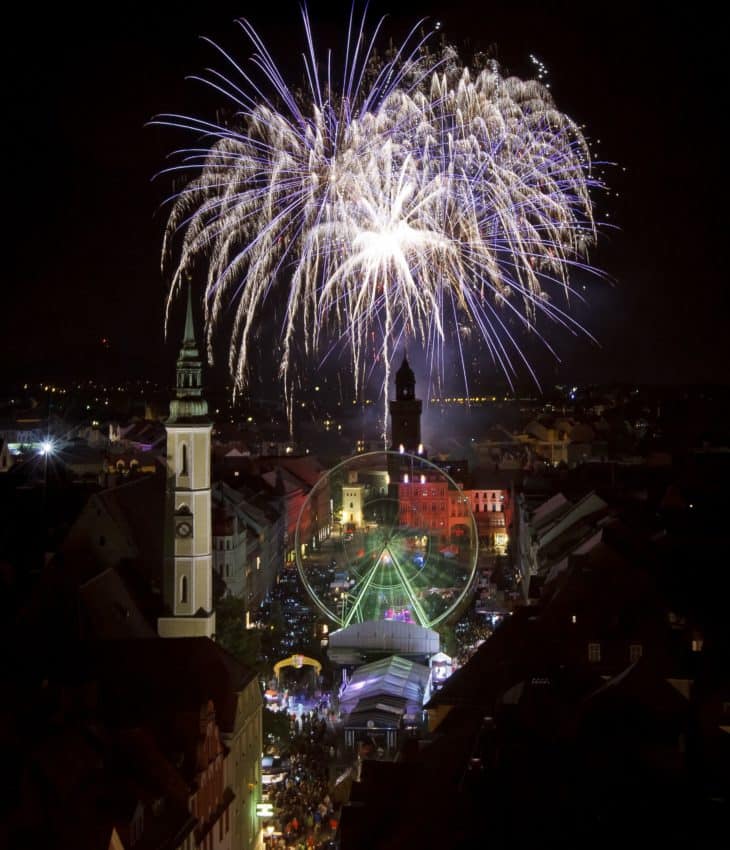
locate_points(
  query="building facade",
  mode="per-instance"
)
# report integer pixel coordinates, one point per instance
(230, 547)
(352, 506)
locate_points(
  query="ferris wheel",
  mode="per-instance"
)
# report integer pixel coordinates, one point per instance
(402, 542)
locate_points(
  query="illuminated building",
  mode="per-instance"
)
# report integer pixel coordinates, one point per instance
(188, 569)
(352, 502)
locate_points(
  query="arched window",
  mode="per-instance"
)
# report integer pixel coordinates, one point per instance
(184, 589)
(184, 459)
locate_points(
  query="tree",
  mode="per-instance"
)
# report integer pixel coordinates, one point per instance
(275, 724)
(448, 638)
(231, 632)
(276, 628)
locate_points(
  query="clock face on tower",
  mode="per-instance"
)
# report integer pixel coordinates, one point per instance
(184, 529)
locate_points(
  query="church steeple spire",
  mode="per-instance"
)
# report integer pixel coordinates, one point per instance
(405, 411)
(189, 404)
(405, 381)
(189, 338)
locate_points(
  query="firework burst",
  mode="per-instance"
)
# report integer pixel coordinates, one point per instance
(412, 198)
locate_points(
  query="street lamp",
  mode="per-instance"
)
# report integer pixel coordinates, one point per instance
(47, 448)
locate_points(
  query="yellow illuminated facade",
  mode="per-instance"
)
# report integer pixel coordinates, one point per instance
(352, 502)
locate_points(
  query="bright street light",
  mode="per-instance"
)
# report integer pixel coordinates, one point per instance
(47, 449)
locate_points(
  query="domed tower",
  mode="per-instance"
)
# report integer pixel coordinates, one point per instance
(188, 568)
(405, 412)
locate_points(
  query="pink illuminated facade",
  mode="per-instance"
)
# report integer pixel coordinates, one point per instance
(429, 504)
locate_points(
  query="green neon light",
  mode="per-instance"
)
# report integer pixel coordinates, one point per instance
(361, 595)
(422, 618)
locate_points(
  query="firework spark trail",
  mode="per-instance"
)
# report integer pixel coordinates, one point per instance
(412, 199)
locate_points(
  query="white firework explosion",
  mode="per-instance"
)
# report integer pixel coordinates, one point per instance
(413, 199)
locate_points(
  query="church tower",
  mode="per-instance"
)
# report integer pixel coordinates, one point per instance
(188, 568)
(405, 412)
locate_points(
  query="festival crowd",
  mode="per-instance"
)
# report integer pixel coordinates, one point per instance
(305, 814)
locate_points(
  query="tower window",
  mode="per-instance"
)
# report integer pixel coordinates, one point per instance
(184, 589)
(184, 459)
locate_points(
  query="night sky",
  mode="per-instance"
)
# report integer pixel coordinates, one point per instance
(86, 225)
